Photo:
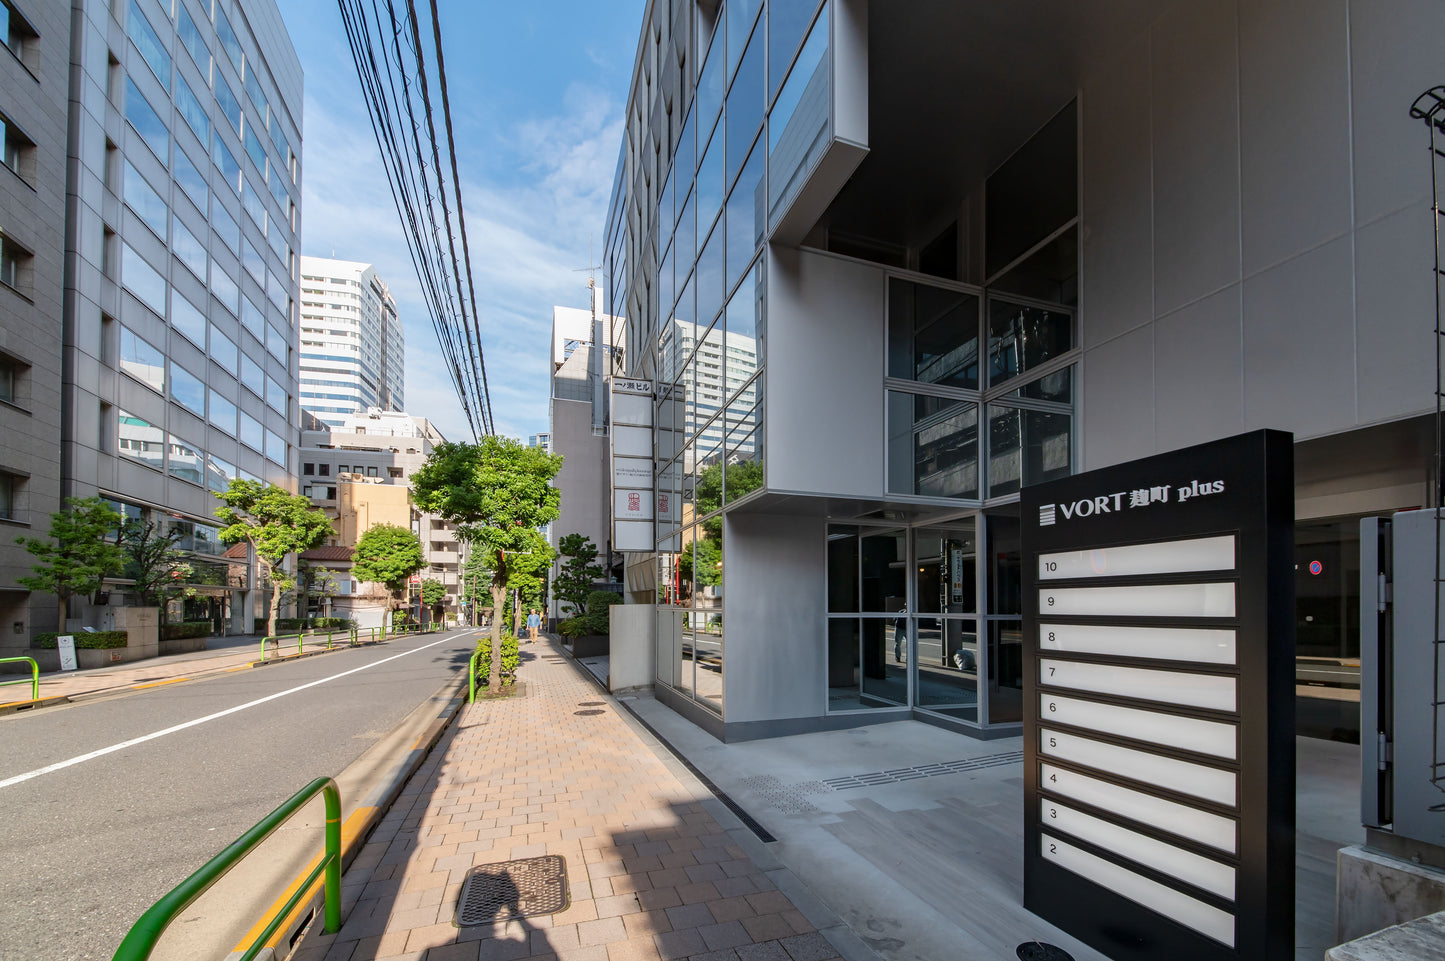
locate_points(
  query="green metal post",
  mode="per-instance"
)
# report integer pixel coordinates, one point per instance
(333, 859)
(147, 931)
(34, 675)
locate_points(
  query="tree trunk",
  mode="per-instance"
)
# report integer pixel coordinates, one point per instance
(275, 607)
(63, 599)
(494, 678)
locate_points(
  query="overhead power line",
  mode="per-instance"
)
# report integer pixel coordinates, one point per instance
(391, 65)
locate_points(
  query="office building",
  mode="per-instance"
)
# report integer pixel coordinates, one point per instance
(975, 249)
(34, 85)
(359, 473)
(353, 350)
(171, 254)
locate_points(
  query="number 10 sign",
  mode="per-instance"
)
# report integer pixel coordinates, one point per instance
(1159, 702)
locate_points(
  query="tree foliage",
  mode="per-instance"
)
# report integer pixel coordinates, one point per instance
(388, 555)
(579, 571)
(433, 592)
(497, 493)
(74, 557)
(275, 523)
(153, 561)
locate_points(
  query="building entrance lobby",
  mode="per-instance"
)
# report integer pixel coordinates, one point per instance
(906, 628)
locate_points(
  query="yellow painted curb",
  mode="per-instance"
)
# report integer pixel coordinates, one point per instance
(174, 680)
(353, 827)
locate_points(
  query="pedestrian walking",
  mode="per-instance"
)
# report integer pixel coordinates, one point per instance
(900, 636)
(534, 624)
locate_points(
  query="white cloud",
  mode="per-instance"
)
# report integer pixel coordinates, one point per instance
(528, 230)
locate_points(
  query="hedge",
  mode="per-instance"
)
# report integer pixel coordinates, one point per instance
(510, 657)
(99, 641)
(175, 632)
(312, 623)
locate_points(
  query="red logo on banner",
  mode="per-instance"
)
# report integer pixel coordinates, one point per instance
(634, 502)
(662, 501)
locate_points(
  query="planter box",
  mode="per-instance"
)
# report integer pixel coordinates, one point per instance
(591, 645)
(86, 658)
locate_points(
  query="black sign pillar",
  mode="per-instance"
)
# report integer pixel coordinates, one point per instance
(1159, 703)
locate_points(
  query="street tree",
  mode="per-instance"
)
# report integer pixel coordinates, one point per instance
(528, 582)
(153, 562)
(433, 593)
(75, 556)
(275, 523)
(476, 583)
(579, 570)
(498, 495)
(388, 555)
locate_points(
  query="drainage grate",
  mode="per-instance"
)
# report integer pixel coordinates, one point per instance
(513, 889)
(901, 774)
(786, 798)
(588, 713)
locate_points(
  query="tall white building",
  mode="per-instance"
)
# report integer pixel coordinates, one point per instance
(352, 347)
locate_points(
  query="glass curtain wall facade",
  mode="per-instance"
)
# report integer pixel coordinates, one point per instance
(731, 113)
(185, 234)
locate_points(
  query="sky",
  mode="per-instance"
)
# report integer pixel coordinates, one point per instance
(537, 92)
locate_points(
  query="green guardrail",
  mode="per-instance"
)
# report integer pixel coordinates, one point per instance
(147, 931)
(34, 675)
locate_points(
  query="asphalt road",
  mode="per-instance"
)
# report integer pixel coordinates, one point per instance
(87, 846)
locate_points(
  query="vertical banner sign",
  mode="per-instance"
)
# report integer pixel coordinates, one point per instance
(632, 458)
(1159, 703)
(65, 645)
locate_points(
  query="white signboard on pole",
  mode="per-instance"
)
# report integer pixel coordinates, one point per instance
(65, 643)
(632, 465)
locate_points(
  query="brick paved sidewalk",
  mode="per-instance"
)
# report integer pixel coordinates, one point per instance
(558, 771)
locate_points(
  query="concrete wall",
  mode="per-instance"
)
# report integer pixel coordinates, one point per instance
(1256, 238)
(632, 646)
(775, 617)
(824, 402)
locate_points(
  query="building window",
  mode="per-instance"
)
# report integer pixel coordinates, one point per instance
(393, 471)
(14, 265)
(9, 485)
(371, 472)
(308, 469)
(343, 469)
(331, 493)
(19, 151)
(20, 36)
(324, 470)
(12, 379)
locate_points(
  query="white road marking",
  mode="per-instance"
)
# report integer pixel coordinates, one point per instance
(82, 758)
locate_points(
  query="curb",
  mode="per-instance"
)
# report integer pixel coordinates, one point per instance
(16, 706)
(377, 804)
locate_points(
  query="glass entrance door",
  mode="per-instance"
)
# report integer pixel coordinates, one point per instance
(945, 657)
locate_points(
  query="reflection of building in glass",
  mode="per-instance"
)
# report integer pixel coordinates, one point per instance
(871, 320)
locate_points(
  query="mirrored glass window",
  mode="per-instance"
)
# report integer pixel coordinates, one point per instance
(185, 460)
(188, 390)
(798, 123)
(252, 433)
(275, 395)
(188, 319)
(1006, 671)
(745, 106)
(1057, 387)
(143, 280)
(709, 99)
(253, 261)
(884, 574)
(224, 287)
(189, 250)
(788, 21)
(226, 228)
(194, 43)
(140, 440)
(1022, 336)
(1026, 447)
(744, 463)
(227, 36)
(275, 448)
(710, 277)
(252, 377)
(255, 150)
(219, 474)
(191, 180)
(148, 42)
(710, 187)
(141, 197)
(223, 350)
(932, 334)
(932, 445)
(684, 239)
(253, 317)
(741, 15)
(146, 122)
(746, 218)
(222, 413)
(226, 164)
(230, 106)
(141, 360)
(192, 110)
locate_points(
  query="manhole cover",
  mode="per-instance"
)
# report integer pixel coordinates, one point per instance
(513, 889)
(586, 713)
(1038, 951)
(590, 703)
